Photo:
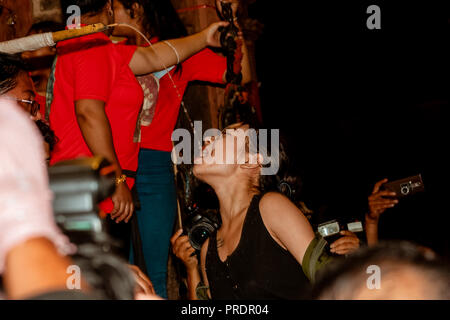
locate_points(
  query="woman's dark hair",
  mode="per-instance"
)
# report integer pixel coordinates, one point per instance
(46, 26)
(286, 180)
(10, 67)
(47, 134)
(160, 18)
(86, 6)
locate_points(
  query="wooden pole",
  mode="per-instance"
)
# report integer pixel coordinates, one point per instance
(197, 15)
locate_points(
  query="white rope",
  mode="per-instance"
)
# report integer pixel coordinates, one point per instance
(29, 43)
(151, 46)
(162, 65)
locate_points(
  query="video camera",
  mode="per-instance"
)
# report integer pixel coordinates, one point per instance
(78, 187)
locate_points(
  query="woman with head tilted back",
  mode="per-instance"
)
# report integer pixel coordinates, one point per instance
(96, 98)
(158, 21)
(258, 251)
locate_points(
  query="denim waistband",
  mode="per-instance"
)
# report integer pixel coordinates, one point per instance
(149, 159)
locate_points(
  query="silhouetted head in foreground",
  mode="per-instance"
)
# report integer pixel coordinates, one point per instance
(388, 271)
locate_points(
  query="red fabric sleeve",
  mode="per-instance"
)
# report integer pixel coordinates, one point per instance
(126, 52)
(93, 74)
(204, 66)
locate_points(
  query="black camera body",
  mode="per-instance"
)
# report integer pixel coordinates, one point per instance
(78, 187)
(199, 225)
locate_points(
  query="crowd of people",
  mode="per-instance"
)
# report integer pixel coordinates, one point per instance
(90, 96)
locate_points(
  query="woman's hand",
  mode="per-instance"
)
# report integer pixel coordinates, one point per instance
(183, 250)
(155, 58)
(378, 203)
(345, 245)
(143, 283)
(212, 33)
(123, 203)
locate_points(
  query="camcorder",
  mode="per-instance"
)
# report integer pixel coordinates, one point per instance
(405, 187)
(199, 225)
(78, 187)
(330, 230)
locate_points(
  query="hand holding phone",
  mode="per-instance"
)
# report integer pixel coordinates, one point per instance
(405, 187)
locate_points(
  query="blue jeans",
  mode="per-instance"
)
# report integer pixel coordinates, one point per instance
(156, 217)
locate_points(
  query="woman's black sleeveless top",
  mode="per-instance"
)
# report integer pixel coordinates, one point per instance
(258, 268)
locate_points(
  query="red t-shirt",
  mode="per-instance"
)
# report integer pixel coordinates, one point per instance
(203, 66)
(92, 67)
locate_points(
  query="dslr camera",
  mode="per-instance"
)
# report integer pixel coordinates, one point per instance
(78, 187)
(200, 224)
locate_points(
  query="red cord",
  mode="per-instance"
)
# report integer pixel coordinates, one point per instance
(200, 6)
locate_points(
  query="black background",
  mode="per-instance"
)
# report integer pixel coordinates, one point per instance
(359, 105)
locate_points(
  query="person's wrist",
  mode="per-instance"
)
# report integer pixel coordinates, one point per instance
(371, 220)
(120, 180)
(205, 42)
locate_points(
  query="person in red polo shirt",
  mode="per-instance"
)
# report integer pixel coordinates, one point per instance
(155, 180)
(96, 98)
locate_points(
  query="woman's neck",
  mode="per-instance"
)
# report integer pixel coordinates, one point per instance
(233, 199)
(137, 39)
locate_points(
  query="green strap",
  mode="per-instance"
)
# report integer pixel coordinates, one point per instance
(49, 93)
(202, 291)
(316, 257)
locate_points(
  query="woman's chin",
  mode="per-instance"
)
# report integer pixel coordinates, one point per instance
(200, 170)
(198, 160)
(197, 171)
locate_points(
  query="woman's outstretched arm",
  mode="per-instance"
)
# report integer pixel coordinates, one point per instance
(155, 58)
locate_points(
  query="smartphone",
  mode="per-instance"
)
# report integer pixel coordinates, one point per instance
(406, 187)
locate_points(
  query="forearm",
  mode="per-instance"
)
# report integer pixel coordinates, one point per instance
(193, 280)
(34, 267)
(96, 130)
(371, 227)
(157, 57)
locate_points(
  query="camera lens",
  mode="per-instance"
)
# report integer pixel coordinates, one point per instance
(404, 189)
(199, 233)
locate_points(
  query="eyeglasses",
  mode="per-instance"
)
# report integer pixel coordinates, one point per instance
(34, 106)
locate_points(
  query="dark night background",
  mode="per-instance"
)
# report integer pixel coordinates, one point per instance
(358, 105)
